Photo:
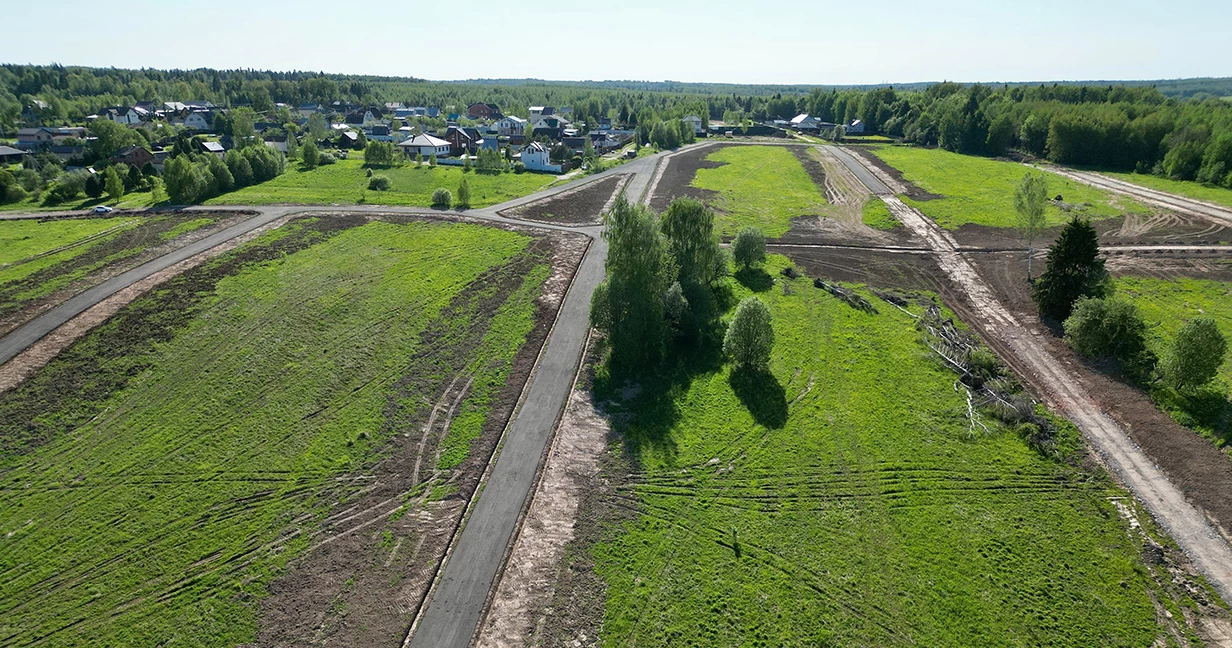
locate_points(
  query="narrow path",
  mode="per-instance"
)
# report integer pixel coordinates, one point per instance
(1208, 550)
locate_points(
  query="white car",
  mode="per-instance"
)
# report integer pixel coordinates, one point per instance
(102, 209)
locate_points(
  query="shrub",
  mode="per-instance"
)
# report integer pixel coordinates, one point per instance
(379, 183)
(1196, 354)
(518, 167)
(750, 336)
(1106, 328)
(326, 158)
(749, 248)
(311, 158)
(442, 198)
(464, 194)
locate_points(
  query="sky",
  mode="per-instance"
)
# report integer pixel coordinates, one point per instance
(818, 42)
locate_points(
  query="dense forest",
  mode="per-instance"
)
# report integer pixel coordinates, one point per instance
(1125, 126)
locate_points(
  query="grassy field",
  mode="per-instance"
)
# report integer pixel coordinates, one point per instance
(134, 200)
(1167, 304)
(1197, 191)
(877, 216)
(981, 190)
(762, 186)
(845, 502)
(39, 258)
(156, 476)
(345, 183)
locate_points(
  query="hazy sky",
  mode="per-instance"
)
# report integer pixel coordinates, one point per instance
(821, 42)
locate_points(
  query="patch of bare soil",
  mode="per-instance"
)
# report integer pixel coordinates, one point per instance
(520, 606)
(372, 561)
(912, 191)
(1191, 462)
(116, 255)
(1157, 228)
(583, 205)
(678, 175)
(875, 268)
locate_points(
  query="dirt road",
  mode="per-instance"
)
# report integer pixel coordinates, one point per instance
(1189, 528)
(1188, 206)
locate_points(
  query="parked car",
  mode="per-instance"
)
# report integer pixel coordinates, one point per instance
(102, 209)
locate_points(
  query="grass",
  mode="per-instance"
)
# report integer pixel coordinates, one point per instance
(877, 215)
(151, 487)
(759, 186)
(843, 501)
(133, 200)
(1195, 190)
(1166, 304)
(980, 190)
(27, 246)
(345, 183)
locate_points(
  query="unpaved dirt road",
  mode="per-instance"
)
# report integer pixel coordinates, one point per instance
(1189, 528)
(1188, 206)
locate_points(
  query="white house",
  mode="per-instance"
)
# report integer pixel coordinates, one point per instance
(199, 120)
(856, 127)
(510, 125)
(803, 122)
(536, 158)
(695, 122)
(425, 145)
(121, 115)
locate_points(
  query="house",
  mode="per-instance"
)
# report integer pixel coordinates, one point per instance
(603, 124)
(425, 145)
(803, 122)
(463, 140)
(213, 147)
(536, 158)
(29, 138)
(483, 111)
(199, 120)
(347, 139)
(603, 141)
(381, 133)
(281, 147)
(10, 155)
(121, 115)
(510, 125)
(696, 123)
(553, 127)
(541, 111)
(856, 127)
(433, 112)
(133, 156)
(578, 144)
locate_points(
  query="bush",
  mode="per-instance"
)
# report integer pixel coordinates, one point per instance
(1196, 354)
(311, 158)
(464, 194)
(442, 198)
(750, 336)
(749, 248)
(1106, 328)
(518, 167)
(66, 187)
(326, 158)
(378, 183)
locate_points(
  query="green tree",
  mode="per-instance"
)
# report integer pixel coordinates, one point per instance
(639, 272)
(688, 225)
(1030, 197)
(1196, 354)
(186, 181)
(292, 146)
(749, 248)
(1106, 328)
(113, 184)
(317, 127)
(95, 185)
(1074, 270)
(109, 137)
(432, 161)
(464, 195)
(750, 336)
(311, 158)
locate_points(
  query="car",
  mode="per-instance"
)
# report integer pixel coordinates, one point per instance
(102, 209)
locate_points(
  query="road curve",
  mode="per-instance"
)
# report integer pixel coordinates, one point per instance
(1207, 549)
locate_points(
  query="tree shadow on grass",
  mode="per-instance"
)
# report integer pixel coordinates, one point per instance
(755, 279)
(1206, 409)
(762, 395)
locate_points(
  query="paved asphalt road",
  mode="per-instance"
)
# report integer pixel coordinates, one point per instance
(864, 175)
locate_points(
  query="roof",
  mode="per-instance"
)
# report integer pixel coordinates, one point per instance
(8, 150)
(213, 147)
(536, 146)
(424, 140)
(128, 150)
(799, 118)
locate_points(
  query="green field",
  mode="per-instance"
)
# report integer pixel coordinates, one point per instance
(877, 216)
(761, 186)
(1197, 191)
(1166, 304)
(156, 476)
(345, 183)
(39, 258)
(981, 190)
(846, 502)
(133, 200)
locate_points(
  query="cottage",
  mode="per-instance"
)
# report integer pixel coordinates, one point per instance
(381, 133)
(136, 156)
(696, 123)
(536, 158)
(553, 127)
(10, 155)
(856, 127)
(510, 125)
(121, 115)
(213, 147)
(425, 145)
(199, 120)
(577, 144)
(463, 140)
(541, 111)
(803, 122)
(34, 137)
(483, 111)
(347, 139)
